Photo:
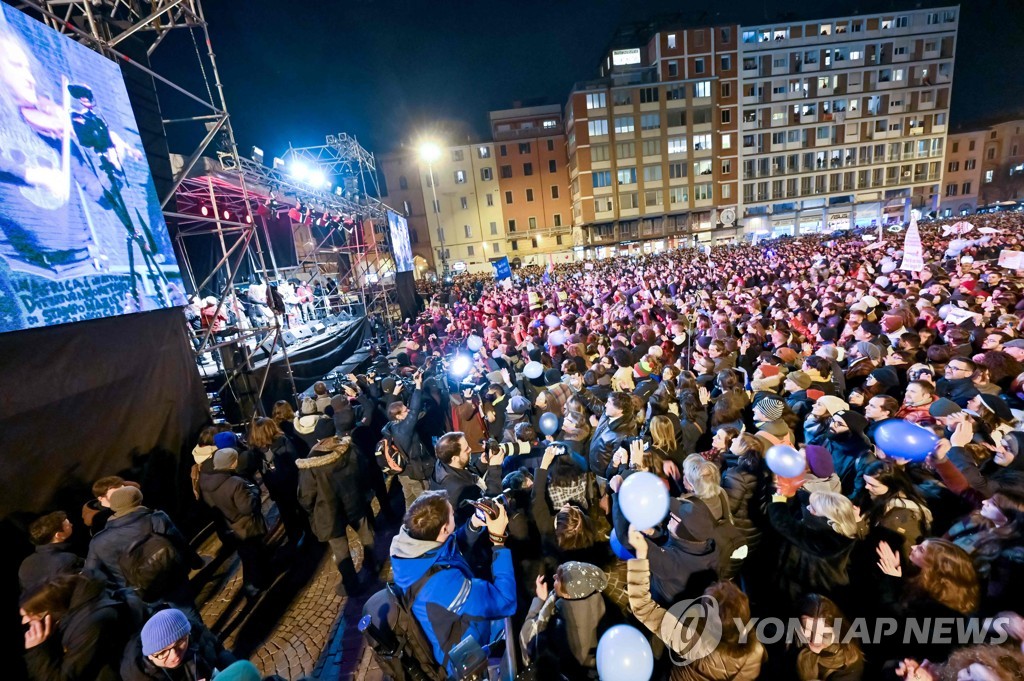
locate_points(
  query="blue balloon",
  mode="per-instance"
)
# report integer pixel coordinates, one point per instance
(901, 439)
(623, 552)
(643, 498)
(548, 423)
(785, 461)
(624, 654)
(474, 342)
(556, 337)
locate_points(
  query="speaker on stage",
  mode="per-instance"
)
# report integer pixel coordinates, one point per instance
(318, 328)
(331, 320)
(289, 338)
(302, 332)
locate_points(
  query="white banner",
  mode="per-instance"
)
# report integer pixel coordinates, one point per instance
(913, 252)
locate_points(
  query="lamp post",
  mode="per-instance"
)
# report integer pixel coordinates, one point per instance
(430, 152)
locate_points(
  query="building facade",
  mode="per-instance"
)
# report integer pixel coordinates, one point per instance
(961, 182)
(464, 217)
(1002, 163)
(704, 134)
(403, 191)
(533, 183)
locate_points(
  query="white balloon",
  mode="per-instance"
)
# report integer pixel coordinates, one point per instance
(533, 370)
(474, 342)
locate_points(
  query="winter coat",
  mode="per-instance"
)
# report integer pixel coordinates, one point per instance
(469, 422)
(107, 547)
(453, 603)
(719, 665)
(566, 630)
(87, 641)
(846, 449)
(990, 477)
(673, 565)
(48, 561)
(199, 664)
(775, 433)
(277, 466)
(330, 489)
(814, 557)
(606, 439)
(408, 440)
(237, 499)
(748, 495)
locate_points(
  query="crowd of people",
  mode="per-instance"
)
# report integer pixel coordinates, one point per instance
(512, 417)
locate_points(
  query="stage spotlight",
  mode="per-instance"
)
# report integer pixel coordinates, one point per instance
(248, 219)
(299, 170)
(460, 366)
(317, 179)
(278, 163)
(227, 215)
(204, 210)
(257, 155)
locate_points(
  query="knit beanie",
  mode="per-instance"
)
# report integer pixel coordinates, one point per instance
(124, 500)
(388, 385)
(853, 420)
(768, 370)
(225, 440)
(163, 629)
(225, 459)
(580, 580)
(786, 354)
(799, 379)
(242, 670)
(769, 408)
(832, 404)
(819, 460)
(886, 376)
(943, 407)
(518, 405)
(324, 428)
(869, 350)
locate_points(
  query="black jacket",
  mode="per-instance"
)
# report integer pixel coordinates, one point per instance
(237, 499)
(607, 436)
(462, 484)
(88, 640)
(814, 557)
(408, 440)
(329, 488)
(49, 560)
(748, 495)
(674, 564)
(106, 548)
(277, 466)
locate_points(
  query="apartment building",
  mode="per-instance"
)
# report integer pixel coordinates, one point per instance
(402, 190)
(533, 183)
(1002, 163)
(707, 134)
(961, 182)
(464, 215)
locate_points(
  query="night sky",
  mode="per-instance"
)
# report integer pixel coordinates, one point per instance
(385, 70)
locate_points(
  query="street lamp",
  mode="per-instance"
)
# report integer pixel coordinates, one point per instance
(430, 152)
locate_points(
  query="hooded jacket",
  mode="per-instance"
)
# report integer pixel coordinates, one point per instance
(673, 565)
(990, 477)
(329, 488)
(46, 562)
(607, 436)
(236, 498)
(463, 484)
(564, 628)
(121, 532)
(453, 603)
(814, 557)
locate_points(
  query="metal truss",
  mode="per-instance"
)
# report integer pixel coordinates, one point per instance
(138, 34)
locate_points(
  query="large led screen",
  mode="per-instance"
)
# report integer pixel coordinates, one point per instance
(400, 247)
(81, 232)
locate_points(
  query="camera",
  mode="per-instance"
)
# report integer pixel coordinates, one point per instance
(489, 507)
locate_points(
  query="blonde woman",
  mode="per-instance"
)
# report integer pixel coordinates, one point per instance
(818, 533)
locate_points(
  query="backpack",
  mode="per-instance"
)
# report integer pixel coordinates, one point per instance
(152, 565)
(396, 637)
(390, 457)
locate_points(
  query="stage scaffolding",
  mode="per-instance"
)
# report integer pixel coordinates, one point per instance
(189, 107)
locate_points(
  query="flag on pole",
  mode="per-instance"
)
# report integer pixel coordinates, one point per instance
(546, 278)
(502, 270)
(913, 253)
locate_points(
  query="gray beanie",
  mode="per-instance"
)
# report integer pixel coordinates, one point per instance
(580, 580)
(869, 350)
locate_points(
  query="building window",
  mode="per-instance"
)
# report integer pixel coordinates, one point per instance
(407, 208)
(511, 225)
(552, 166)
(726, 191)
(529, 195)
(726, 115)
(402, 182)
(596, 100)
(597, 127)
(508, 197)
(602, 178)
(457, 155)
(970, 164)
(625, 150)
(651, 147)
(671, 41)
(951, 189)
(652, 173)
(677, 195)
(533, 223)
(554, 191)
(989, 175)
(652, 121)
(603, 204)
(991, 153)
(954, 166)
(628, 200)
(726, 62)
(486, 174)
(483, 152)
(490, 199)
(464, 202)
(702, 88)
(702, 168)
(675, 93)
(727, 141)
(703, 192)
(515, 245)
(557, 221)
(494, 227)
(470, 251)
(677, 170)
(624, 124)
(626, 175)
(648, 94)
(698, 65)
(966, 188)
(503, 150)
(527, 169)
(496, 247)
(533, 242)
(673, 69)
(677, 145)
(524, 147)
(551, 143)
(702, 142)
(599, 152)
(622, 97)
(437, 207)
(726, 167)
(506, 172)
(726, 90)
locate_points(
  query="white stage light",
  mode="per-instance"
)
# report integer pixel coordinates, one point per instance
(299, 170)
(461, 366)
(317, 179)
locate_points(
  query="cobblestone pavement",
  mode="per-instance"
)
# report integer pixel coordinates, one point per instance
(298, 627)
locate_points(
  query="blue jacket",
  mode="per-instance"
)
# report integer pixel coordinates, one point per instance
(453, 604)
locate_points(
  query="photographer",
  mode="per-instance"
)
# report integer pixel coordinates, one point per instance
(456, 474)
(452, 605)
(417, 464)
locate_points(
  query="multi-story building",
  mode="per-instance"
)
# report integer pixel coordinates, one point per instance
(533, 183)
(779, 129)
(464, 215)
(1002, 172)
(403, 191)
(961, 181)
